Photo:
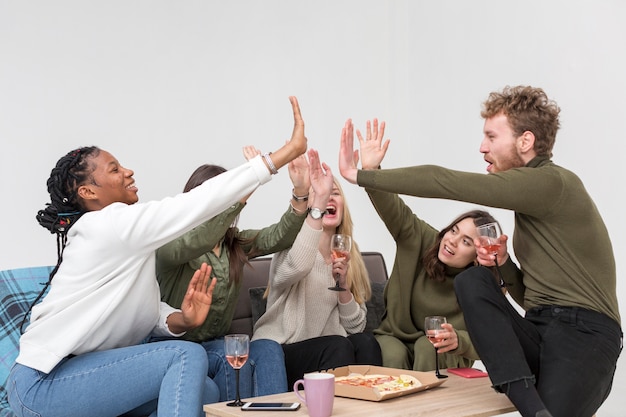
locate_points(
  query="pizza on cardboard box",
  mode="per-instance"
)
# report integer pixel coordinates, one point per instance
(377, 383)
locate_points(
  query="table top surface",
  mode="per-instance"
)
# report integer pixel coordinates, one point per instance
(457, 396)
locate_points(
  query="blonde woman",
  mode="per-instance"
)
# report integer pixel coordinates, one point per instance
(319, 328)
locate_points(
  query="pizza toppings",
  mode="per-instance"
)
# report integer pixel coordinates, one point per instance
(381, 383)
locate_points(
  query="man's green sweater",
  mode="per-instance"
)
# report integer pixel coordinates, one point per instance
(560, 239)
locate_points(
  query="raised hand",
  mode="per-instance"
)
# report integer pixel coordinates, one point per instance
(348, 157)
(197, 302)
(321, 179)
(250, 152)
(297, 145)
(299, 175)
(298, 142)
(373, 149)
(297, 136)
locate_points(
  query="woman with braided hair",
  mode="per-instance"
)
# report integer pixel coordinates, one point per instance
(82, 354)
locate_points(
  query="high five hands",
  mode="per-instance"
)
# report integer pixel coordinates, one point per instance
(373, 148)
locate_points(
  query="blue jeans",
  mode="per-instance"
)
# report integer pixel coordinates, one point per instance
(124, 381)
(263, 373)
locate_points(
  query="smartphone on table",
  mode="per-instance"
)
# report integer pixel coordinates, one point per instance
(252, 406)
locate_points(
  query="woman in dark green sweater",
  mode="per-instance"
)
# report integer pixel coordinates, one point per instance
(421, 284)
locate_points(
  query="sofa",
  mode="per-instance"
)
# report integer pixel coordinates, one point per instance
(19, 287)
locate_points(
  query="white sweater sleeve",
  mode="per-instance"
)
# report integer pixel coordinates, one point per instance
(148, 226)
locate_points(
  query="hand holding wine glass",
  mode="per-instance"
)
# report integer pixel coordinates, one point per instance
(339, 248)
(489, 235)
(433, 329)
(236, 348)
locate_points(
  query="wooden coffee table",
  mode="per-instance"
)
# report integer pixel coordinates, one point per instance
(458, 396)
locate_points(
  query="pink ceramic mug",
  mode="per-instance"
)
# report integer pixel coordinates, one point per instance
(319, 393)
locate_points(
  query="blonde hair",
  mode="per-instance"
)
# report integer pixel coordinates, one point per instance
(357, 279)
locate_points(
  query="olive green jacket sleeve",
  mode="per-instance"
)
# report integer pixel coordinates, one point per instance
(197, 241)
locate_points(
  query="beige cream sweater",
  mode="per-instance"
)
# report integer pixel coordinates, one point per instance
(299, 305)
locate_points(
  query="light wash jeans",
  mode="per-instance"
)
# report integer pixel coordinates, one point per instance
(125, 381)
(263, 374)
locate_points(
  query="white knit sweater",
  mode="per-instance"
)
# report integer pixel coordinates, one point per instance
(299, 305)
(105, 294)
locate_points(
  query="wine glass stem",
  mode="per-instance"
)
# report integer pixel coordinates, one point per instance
(436, 362)
(237, 382)
(502, 284)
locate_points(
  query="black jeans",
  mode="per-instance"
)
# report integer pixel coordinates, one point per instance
(569, 352)
(329, 352)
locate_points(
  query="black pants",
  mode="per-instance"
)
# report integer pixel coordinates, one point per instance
(329, 352)
(571, 353)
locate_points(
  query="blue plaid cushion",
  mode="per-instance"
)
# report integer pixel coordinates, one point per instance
(18, 289)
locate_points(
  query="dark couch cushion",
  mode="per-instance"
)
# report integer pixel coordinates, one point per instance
(255, 274)
(375, 306)
(258, 303)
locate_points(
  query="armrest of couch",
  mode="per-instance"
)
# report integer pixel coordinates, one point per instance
(18, 289)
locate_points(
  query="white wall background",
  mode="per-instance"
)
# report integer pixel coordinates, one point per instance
(169, 85)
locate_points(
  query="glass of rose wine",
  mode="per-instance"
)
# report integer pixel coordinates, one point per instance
(339, 248)
(489, 236)
(433, 329)
(236, 348)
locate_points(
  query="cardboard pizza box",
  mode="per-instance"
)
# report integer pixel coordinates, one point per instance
(427, 379)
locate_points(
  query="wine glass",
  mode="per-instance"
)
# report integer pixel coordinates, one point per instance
(339, 248)
(236, 347)
(489, 236)
(432, 327)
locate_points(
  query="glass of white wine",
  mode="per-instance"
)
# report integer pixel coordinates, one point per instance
(433, 329)
(339, 248)
(489, 236)
(236, 348)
